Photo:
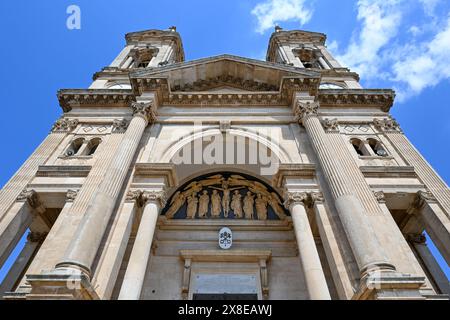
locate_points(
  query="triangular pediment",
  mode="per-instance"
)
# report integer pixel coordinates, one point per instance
(225, 71)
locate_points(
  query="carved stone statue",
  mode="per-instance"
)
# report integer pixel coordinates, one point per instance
(248, 205)
(226, 196)
(236, 205)
(275, 203)
(216, 206)
(175, 204)
(192, 206)
(261, 207)
(203, 205)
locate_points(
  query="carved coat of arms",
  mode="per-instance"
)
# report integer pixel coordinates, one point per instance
(225, 238)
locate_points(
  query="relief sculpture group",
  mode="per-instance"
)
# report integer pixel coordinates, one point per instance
(218, 197)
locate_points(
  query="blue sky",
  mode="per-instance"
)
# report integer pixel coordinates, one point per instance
(401, 44)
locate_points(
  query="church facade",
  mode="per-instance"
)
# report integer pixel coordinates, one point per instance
(225, 177)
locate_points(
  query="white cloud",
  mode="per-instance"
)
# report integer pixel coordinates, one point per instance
(429, 6)
(380, 22)
(270, 12)
(425, 65)
(386, 49)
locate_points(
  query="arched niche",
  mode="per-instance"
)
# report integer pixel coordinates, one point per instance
(227, 195)
(255, 153)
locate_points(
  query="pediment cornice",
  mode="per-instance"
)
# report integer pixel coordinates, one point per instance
(382, 98)
(77, 97)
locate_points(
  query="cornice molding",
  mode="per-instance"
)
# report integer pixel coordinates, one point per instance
(69, 98)
(357, 97)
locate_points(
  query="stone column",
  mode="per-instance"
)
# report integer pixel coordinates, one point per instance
(22, 177)
(430, 178)
(137, 264)
(34, 239)
(108, 270)
(17, 220)
(419, 243)
(54, 243)
(367, 250)
(335, 257)
(309, 257)
(85, 243)
(435, 221)
(401, 252)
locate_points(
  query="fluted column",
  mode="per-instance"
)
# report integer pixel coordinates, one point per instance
(430, 178)
(22, 177)
(419, 243)
(137, 264)
(85, 243)
(368, 252)
(108, 270)
(335, 257)
(434, 220)
(309, 257)
(34, 239)
(17, 220)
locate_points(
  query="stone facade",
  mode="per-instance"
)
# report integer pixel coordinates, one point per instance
(324, 195)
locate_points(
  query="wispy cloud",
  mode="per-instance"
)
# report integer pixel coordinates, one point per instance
(423, 65)
(380, 21)
(393, 49)
(271, 12)
(397, 43)
(429, 6)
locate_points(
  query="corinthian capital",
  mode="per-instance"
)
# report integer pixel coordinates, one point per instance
(306, 109)
(154, 196)
(295, 197)
(32, 198)
(144, 110)
(36, 236)
(421, 198)
(331, 125)
(64, 125)
(379, 195)
(134, 195)
(317, 197)
(387, 125)
(119, 126)
(71, 195)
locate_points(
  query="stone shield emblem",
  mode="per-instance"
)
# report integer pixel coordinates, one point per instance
(225, 238)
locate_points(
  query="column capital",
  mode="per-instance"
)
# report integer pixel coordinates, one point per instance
(134, 196)
(331, 125)
(31, 197)
(64, 125)
(317, 197)
(304, 109)
(379, 195)
(154, 196)
(295, 198)
(387, 125)
(120, 125)
(420, 199)
(145, 110)
(36, 236)
(71, 195)
(416, 238)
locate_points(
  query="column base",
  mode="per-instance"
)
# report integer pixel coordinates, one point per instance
(61, 284)
(390, 286)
